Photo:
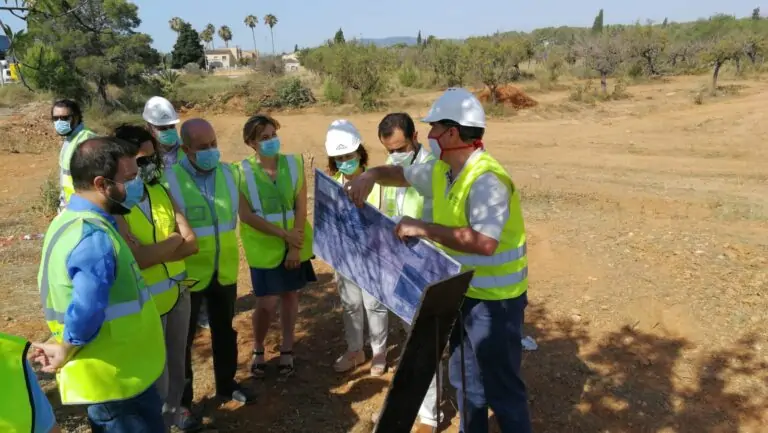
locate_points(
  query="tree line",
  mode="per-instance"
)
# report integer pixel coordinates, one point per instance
(601, 51)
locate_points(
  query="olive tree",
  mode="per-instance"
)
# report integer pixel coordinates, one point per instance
(496, 61)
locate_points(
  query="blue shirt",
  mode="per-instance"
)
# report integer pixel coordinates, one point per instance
(91, 266)
(45, 420)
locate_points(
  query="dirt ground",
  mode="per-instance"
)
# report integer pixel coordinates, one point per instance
(648, 240)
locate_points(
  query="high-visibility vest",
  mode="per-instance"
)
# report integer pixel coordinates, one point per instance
(16, 403)
(162, 279)
(276, 203)
(65, 177)
(503, 275)
(214, 225)
(406, 201)
(374, 198)
(128, 354)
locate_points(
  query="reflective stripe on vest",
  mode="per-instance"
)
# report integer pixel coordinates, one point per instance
(223, 226)
(503, 275)
(253, 190)
(112, 312)
(17, 410)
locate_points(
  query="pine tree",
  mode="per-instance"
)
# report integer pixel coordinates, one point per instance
(188, 48)
(665, 23)
(296, 48)
(756, 13)
(338, 38)
(597, 26)
(418, 38)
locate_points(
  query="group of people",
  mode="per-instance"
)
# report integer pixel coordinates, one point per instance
(146, 236)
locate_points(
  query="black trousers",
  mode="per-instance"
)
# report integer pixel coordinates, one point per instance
(220, 302)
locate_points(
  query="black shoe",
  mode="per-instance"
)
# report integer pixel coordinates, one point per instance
(188, 423)
(240, 395)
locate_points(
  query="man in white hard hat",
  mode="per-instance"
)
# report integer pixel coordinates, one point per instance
(477, 220)
(161, 120)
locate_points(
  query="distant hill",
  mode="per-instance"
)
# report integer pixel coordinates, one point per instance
(388, 42)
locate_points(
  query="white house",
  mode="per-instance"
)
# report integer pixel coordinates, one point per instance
(291, 62)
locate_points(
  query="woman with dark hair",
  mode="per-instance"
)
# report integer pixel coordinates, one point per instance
(161, 238)
(276, 236)
(347, 158)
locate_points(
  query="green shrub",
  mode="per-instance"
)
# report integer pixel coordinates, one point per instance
(48, 201)
(289, 93)
(407, 76)
(333, 91)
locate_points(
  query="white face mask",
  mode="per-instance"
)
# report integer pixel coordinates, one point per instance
(434, 147)
(401, 159)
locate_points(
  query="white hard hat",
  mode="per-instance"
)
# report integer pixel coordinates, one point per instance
(342, 138)
(459, 105)
(159, 111)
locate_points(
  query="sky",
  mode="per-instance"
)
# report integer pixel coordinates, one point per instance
(309, 23)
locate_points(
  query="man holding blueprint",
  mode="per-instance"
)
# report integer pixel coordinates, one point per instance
(477, 220)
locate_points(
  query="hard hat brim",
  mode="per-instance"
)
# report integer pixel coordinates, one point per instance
(172, 122)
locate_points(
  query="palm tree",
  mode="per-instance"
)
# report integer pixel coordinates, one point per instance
(271, 21)
(176, 23)
(225, 33)
(208, 33)
(251, 21)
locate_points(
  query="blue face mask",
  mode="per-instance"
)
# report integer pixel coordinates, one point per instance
(134, 191)
(348, 167)
(270, 147)
(168, 137)
(63, 127)
(207, 159)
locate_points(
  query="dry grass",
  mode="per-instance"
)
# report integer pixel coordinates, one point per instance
(647, 219)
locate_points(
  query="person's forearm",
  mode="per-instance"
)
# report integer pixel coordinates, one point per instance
(262, 225)
(186, 249)
(154, 254)
(389, 175)
(462, 239)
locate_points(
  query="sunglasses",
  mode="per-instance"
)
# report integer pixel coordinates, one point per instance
(57, 118)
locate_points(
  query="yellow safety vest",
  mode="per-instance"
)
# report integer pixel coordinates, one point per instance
(162, 279)
(16, 404)
(276, 203)
(65, 177)
(128, 354)
(504, 275)
(406, 201)
(214, 225)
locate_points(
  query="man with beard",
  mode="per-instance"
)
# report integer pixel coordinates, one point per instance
(107, 346)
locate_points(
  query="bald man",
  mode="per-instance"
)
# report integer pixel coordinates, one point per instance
(207, 192)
